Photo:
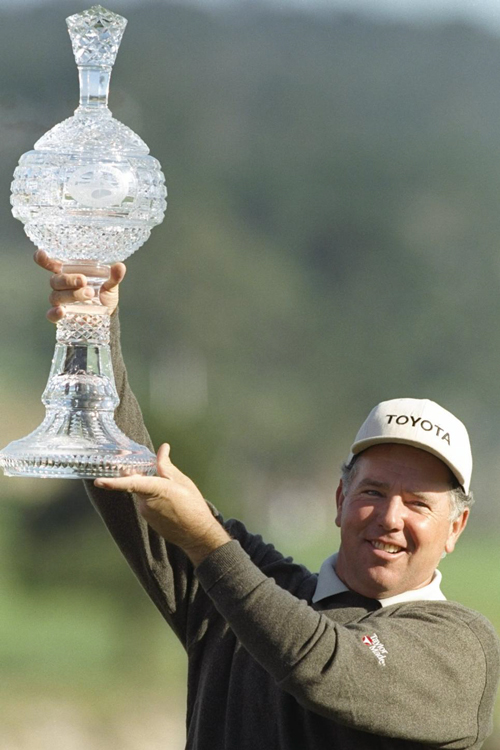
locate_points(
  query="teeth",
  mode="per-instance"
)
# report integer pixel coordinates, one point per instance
(386, 547)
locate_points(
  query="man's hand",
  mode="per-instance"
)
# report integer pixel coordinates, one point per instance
(174, 507)
(72, 287)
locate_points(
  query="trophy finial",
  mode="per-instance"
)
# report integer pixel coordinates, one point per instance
(95, 36)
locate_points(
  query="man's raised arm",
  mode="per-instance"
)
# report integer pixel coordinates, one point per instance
(164, 570)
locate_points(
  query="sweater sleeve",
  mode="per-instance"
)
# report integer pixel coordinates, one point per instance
(163, 570)
(421, 671)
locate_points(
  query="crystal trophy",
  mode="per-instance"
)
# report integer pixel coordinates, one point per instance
(88, 194)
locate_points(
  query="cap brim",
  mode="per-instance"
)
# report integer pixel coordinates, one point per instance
(362, 445)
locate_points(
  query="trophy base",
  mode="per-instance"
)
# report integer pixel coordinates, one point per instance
(76, 466)
(66, 455)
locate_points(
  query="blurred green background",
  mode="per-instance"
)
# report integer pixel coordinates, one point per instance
(332, 240)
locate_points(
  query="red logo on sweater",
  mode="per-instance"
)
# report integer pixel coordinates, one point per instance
(376, 647)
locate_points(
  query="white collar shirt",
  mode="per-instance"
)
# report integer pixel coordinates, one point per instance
(330, 584)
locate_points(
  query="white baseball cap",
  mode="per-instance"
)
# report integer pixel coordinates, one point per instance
(423, 424)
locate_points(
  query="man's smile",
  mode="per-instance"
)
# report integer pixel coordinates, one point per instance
(389, 547)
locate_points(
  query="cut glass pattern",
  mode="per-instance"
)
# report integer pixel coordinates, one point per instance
(96, 35)
(87, 131)
(81, 328)
(76, 445)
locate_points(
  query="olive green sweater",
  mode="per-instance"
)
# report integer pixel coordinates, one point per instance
(268, 670)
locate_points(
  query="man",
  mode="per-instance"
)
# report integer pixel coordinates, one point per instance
(368, 654)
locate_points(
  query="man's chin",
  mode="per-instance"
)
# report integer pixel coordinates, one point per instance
(381, 585)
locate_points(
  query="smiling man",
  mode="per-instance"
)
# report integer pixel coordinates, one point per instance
(367, 655)
(403, 500)
(395, 516)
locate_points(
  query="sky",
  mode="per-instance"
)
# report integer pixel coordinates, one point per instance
(486, 12)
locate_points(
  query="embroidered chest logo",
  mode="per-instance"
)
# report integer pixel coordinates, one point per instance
(376, 647)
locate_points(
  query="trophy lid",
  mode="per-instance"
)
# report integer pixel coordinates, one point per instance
(93, 134)
(95, 36)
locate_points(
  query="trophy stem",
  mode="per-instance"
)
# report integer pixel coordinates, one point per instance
(78, 437)
(94, 86)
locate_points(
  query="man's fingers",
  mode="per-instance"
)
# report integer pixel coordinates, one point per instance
(117, 274)
(164, 464)
(166, 469)
(44, 261)
(55, 314)
(67, 297)
(65, 281)
(61, 281)
(149, 486)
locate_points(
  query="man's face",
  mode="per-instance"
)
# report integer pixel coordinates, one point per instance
(395, 522)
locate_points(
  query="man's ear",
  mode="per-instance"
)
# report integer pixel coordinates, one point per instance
(339, 498)
(456, 529)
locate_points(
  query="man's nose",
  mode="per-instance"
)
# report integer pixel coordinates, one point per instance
(392, 513)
